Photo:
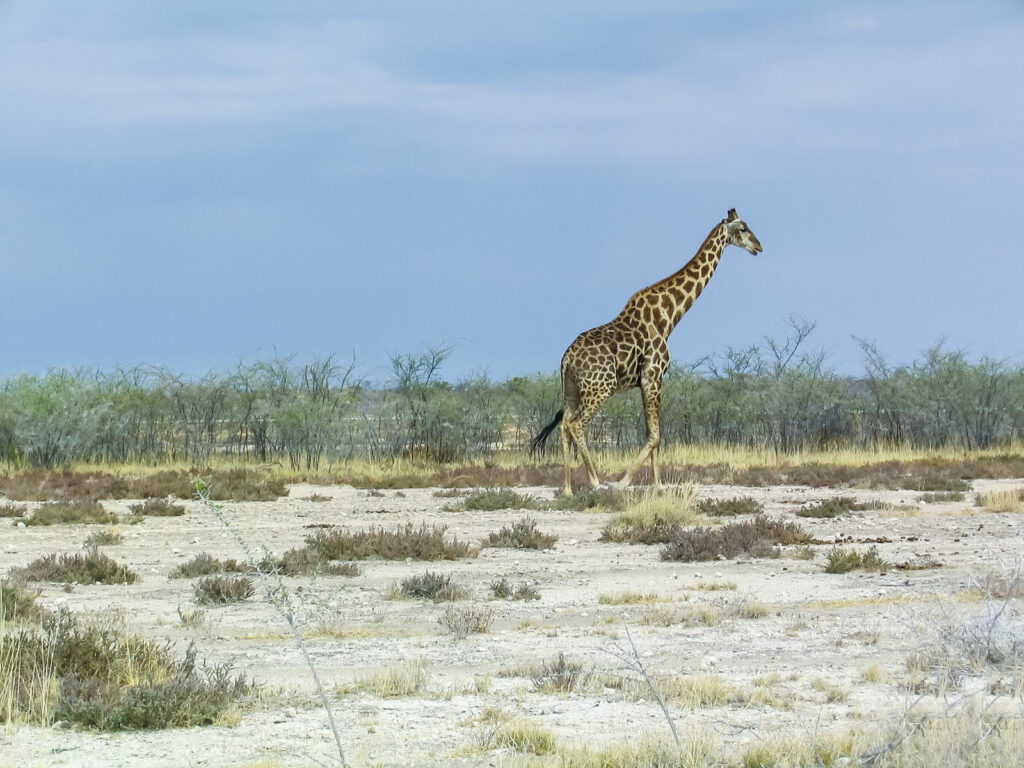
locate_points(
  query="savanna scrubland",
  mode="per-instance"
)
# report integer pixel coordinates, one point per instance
(379, 574)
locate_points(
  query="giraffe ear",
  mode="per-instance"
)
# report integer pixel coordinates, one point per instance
(732, 215)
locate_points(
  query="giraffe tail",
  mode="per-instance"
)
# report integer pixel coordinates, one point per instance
(539, 440)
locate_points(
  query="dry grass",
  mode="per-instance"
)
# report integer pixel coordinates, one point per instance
(844, 560)
(223, 590)
(158, 508)
(1001, 501)
(431, 586)
(627, 598)
(653, 517)
(833, 507)
(12, 510)
(560, 675)
(737, 505)
(405, 542)
(462, 621)
(396, 681)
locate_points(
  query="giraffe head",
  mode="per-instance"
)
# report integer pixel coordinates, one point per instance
(737, 233)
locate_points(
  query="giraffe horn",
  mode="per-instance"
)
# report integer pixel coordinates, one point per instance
(732, 215)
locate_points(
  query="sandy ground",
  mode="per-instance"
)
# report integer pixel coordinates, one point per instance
(820, 630)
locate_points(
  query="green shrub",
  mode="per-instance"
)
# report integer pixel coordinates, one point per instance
(205, 564)
(502, 589)
(842, 561)
(522, 535)
(243, 485)
(423, 543)
(432, 586)
(158, 508)
(560, 676)
(93, 567)
(79, 511)
(222, 590)
(738, 505)
(106, 537)
(17, 603)
(832, 507)
(493, 499)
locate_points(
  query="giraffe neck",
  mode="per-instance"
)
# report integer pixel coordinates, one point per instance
(661, 306)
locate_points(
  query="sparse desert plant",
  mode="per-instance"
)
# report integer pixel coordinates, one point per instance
(191, 619)
(222, 590)
(432, 586)
(17, 603)
(99, 675)
(492, 499)
(560, 675)
(524, 737)
(205, 564)
(405, 542)
(317, 498)
(93, 567)
(106, 537)
(683, 615)
(460, 622)
(834, 507)
(627, 598)
(1001, 501)
(941, 497)
(397, 680)
(9, 509)
(759, 537)
(834, 692)
(737, 505)
(606, 499)
(244, 485)
(522, 534)
(842, 560)
(78, 511)
(155, 507)
(502, 589)
(306, 561)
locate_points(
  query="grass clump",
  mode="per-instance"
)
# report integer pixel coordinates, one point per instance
(205, 564)
(305, 561)
(222, 590)
(587, 498)
(834, 507)
(78, 511)
(17, 604)
(101, 676)
(502, 589)
(941, 497)
(12, 510)
(423, 543)
(396, 681)
(242, 485)
(466, 620)
(627, 598)
(523, 534)
(560, 675)
(157, 508)
(93, 567)
(431, 586)
(844, 560)
(653, 517)
(738, 505)
(525, 737)
(759, 537)
(1001, 501)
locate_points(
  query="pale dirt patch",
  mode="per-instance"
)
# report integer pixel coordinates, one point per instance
(818, 627)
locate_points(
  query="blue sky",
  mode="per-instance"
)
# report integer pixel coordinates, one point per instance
(192, 183)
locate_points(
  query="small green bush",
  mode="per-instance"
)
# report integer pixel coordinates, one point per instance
(423, 543)
(738, 505)
(106, 537)
(834, 507)
(842, 561)
(205, 564)
(432, 586)
(522, 535)
(560, 676)
(93, 567)
(78, 511)
(493, 499)
(222, 590)
(158, 508)
(502, 589)
(939, 497)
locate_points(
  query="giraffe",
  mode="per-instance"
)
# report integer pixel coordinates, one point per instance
(632, 351)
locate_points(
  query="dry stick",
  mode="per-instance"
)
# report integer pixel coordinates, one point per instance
(278, 598)
(637, 664)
